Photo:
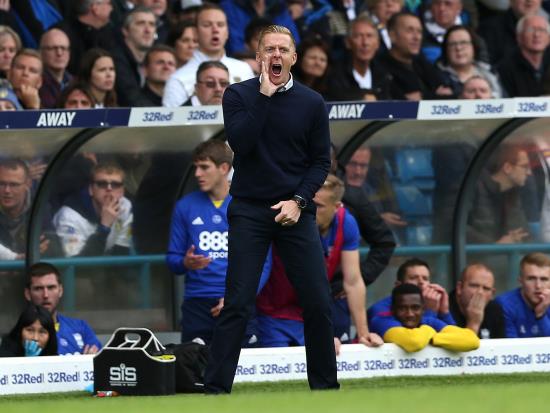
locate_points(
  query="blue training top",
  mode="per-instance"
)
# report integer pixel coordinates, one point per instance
(73, 335)
(520, 319)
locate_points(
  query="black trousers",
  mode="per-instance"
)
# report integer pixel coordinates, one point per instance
(252, 228)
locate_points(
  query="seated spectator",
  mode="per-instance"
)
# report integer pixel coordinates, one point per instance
(8, 99)
(183, 38)
(97, 220)
(158, 66)
(25, 77)
(380, 12)
(471, 302)
(476, 87)
(139, 32)
(500, 31)
(412, 330)
(88, 28)
(55, 51)
(414, 77)
(239, 13)
(33, 335)
(97, 73)
(280, 316)
(15, 205)
(435, 298)
(212, 80)
(10, 44)
(186, 10)
(525, 309)
(522, 72)
(441, 16)
(44, 289)
(198, 244)
(160, 9)
(359, 76)
(313, 65)
(497, 214)
(460, 61)
(212, 35)
(380, 194)
(252, 33)
(76, 96)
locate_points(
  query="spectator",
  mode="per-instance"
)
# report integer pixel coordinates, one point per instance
(240, 12)
(15, 203)
(186, 10)
(497, 214)
(159, 8)
(460, 61)
(89, 28)
(471, 302)
(10, 44)
(44, 289)
(212, 35)
(8, 99)
(359, 76)
(183, 38)
(33, 335)
(443, 15)
(139, 31)
(97, 220)
(212, 80)
(476, 87)
(280, 314)
(526, 308)
(97, 73)
(313, 65)
(381, 195)
(76, 96)
(521, 73)
(500, 32)
(414, 78)
(436, 300)
(25, 77)
(198, 243)
(380, 12)
(55, 51)
(412, 330)
(252, 33)
(158, 66)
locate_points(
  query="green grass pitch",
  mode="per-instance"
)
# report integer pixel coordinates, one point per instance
(514, 393)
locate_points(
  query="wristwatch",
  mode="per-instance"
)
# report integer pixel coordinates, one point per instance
(302, 203)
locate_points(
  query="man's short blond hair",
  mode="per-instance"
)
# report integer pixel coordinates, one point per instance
(538, 259)
(273, 28)
(335, 185)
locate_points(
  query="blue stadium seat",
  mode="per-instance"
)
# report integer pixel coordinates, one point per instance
(420, 234)
(412, 202)
(414, 166)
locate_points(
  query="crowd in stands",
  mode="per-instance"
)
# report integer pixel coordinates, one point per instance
(107, 53)
(147, 52)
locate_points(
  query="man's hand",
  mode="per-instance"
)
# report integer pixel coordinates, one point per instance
(90, 349)
(44, 244)
(444, 91)
(110, 211)
(432, 298)
(443, 299)
(267, 87)
(369, 97)
(5, 5)
(393, 219)
(290, 213)
(513, 236)
(371, 340)
(475, 311)
(37, 169)
(337, 345)
(194, 261)
(29, 97)
(541, 308)
(217, 309)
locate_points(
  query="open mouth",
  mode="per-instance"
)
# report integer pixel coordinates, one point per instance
(276, 69)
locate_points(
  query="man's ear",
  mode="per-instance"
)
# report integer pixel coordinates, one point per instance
(27, 294)
(60, 290)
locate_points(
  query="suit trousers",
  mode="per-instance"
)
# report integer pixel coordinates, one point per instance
(252, 229)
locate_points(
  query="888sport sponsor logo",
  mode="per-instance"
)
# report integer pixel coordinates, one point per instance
(215, 242)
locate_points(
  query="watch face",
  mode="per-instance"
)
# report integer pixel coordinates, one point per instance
(300, 201)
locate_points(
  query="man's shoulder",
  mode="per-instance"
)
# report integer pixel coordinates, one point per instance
(70, 323)
(187, 72)
(192, 197)
(509, 298)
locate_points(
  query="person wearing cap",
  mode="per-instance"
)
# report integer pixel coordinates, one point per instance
(8, 100)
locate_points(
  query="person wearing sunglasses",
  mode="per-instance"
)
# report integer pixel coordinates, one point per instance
(212, 80)
(98, 219)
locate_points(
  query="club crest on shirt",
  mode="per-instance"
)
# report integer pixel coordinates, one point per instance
(216, 219)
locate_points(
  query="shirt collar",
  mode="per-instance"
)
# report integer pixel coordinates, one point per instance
(285, 87)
